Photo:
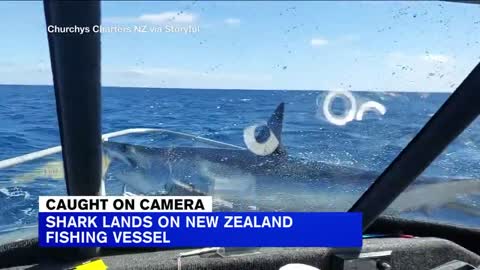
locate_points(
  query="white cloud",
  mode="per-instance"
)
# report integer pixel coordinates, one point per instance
(165, 17)
(179, 17)
(182, 78)
(316, 42)
(232, 21)
(396, 71)
(436, 58)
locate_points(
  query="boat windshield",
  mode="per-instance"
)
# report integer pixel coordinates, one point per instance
(266, 106)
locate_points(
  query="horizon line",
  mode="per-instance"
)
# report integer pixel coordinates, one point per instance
(246, 89)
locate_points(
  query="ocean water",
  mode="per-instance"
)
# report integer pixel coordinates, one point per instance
(28, 123)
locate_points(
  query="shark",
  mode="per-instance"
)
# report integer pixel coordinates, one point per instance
(261, 176)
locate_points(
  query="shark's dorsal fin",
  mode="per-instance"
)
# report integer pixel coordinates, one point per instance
(275, 123)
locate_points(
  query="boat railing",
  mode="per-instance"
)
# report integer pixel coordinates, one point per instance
(105, 137)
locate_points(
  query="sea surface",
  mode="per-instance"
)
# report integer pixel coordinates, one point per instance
(28, 123)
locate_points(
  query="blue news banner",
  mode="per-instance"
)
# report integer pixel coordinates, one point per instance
(200, 229)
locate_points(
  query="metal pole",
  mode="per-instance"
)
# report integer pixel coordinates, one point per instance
(75, 60)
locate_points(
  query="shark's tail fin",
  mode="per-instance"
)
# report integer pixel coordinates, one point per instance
(266, 139)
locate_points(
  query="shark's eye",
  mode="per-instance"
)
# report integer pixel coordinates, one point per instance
(262, 133)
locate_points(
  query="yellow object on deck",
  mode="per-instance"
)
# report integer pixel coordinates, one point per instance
(92, 265)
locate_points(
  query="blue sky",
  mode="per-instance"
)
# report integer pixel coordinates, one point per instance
(391, 46)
